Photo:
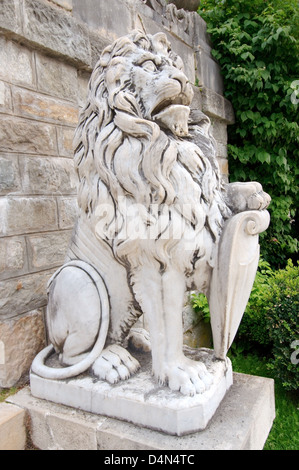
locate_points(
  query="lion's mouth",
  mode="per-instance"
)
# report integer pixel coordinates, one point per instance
(181, 100)
(173, 114)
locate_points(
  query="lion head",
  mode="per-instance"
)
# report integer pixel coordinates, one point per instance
(134, 154)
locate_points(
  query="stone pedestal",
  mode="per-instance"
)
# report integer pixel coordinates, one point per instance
(141, 400)
(242, 422)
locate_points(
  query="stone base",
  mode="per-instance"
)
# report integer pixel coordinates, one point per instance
(141, 400)
(12, 429)
(242, 422)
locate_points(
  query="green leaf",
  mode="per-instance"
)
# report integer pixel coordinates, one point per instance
(263, 156)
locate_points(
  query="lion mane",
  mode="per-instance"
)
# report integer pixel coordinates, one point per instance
(151, 179)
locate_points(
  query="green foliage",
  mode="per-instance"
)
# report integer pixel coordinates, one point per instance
(283, 323)
(200, 306)
(256, 44)
(271, 320)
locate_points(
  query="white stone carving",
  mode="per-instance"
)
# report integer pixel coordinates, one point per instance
(154, 221)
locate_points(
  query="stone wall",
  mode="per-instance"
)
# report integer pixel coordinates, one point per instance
(47, 51)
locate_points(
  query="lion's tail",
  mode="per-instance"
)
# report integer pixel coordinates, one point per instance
(39, 367)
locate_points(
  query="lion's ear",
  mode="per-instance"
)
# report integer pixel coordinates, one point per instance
(105, 57)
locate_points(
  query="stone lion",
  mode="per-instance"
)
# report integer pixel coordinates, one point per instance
(151, 212)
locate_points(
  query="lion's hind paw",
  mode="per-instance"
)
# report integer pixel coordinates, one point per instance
(114, 364)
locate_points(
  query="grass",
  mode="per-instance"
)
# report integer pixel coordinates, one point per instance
(6, 392)
(284, 434)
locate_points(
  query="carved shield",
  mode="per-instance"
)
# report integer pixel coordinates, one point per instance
(233, 275)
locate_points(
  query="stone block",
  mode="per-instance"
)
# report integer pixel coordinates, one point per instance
(22, 339)
(43, 108)
(48, 250)
(56, 78)
(10, 16)
(5, 98)
(51, 29)
(12, 427)
(111, 19)
(242, 422)
(221, 150)
(212, 103)
(83, 81)
(48, 175)
(65, 136)
(219, 131)
(19, 215)
(17, 63)
(229, 114)
(13, 256)
(201, 38)
(25, 136)
(67, 212)
(10, 180)
(23, 294)
(208, 72)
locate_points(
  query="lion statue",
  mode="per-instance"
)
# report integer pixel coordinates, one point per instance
(152, 208)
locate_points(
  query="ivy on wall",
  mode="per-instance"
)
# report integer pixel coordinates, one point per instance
(256, 44)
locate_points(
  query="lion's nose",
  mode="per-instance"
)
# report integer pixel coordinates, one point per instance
(186, 88)
(181, 78)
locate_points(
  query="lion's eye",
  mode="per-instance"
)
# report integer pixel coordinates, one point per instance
(149, 66)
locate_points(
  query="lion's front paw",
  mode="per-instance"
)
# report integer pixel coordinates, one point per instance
(247, 196)
(186, 376)
(115, 364)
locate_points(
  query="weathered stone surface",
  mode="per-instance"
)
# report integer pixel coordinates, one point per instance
(10, 16)
(10, 180)
(51, 29)
(56, 78)
(48, 250)
(23, 294)
(12, 427)
(67, 4)
(22, 338)
(65, 136)
(216, 106)
(48, 175)
(13, 258)
(22, 135)
(67, 210)
(20, 215)
(111, 19)
(208, 72)
(43, 108)
(17, 64)
(219, 131)
(201, 39)
(83, 80)
(5, 98)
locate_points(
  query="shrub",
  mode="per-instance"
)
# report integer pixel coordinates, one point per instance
(283, 329)
(271, 320)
